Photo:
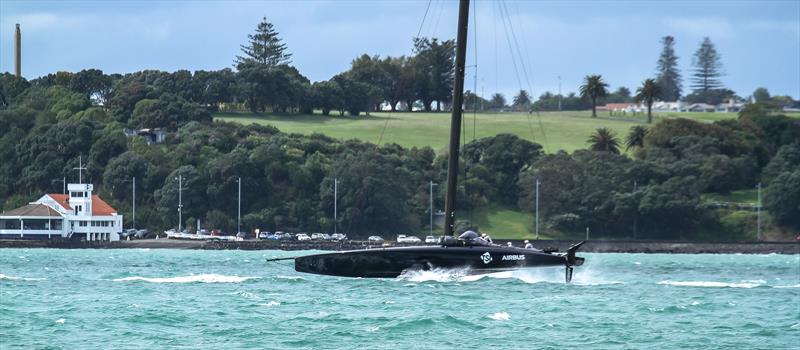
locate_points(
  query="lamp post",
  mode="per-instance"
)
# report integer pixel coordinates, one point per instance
(239, 207)
(335, 196)
(537, 208)
(63, 183)
(758, 213)
(559, 93)
(431, 206)
(180, 201)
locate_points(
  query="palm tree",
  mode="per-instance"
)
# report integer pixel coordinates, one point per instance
(604, 139)
(592, 88)
(648, 93)
(635, 137)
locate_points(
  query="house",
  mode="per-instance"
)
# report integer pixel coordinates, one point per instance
(666, 106)
(76, 215)
(700, 107)
(151, 135)
(622, 108)
(731, 106)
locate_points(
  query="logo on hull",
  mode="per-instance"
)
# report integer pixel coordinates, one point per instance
(486, 257)
(514, 257)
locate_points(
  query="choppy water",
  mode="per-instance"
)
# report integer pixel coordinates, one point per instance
(148, 299)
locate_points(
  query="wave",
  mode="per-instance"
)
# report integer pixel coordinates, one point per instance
(204, 278)
(791, 286)
(711, 284)
(499, 316)
(15, 278)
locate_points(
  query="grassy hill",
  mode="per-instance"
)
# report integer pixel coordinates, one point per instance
(553, 130)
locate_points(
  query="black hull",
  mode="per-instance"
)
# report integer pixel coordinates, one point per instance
(392, 262)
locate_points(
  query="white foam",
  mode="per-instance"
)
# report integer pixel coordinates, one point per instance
(61, 321)
(437, 275)
(792, 286)
(293, 278)
(271, 303)
(500, 316)
(709, 284)
(204, 278)
(15, 278)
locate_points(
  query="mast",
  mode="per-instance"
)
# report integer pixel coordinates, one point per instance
(455, 120)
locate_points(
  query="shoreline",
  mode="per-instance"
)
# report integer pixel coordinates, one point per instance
(592, 246)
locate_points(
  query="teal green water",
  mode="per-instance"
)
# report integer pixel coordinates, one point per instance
(152, 299)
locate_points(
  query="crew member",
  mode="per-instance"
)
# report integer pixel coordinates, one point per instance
(528, 244)
(486, 237)
(509, 244)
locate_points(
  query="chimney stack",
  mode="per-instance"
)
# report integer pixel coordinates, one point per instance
(17, 52)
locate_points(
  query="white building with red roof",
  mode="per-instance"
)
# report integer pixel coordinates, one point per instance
(76, 215)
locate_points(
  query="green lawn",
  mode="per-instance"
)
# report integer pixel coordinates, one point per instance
(749, 196)
(553, 130)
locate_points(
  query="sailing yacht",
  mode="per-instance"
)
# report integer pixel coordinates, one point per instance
(468, 251)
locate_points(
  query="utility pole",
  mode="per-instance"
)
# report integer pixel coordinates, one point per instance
(63, 183)
(431, 207)
(758, 213)
(335, 195)
(635, 215)
(180, 201)
(134, 202)
(239, 210)
(537, 208)
(559, 93)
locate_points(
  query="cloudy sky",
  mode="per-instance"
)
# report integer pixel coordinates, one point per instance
(759, 40)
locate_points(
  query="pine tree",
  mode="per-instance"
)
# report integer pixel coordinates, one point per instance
(263, 48)
(669, 78)
(708, 68)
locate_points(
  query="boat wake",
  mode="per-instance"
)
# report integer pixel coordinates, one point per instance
(711, 284)
(204, 278)
(437, 275)
(531, 276)
(15, 278)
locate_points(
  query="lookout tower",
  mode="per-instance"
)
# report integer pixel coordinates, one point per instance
(17, 52)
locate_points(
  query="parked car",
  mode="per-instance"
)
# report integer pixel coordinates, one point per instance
(338, 237)
(316, 236)
(375, 239)
(142, 233)
(128, 233)
(408, 239)
(430, 239)
(303, 237)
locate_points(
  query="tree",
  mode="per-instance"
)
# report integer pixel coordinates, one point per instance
(604, 139)
(592, 88)
(263, 48)
(708, 67)
(435, 70)
(635, 137)
(761, 95)
(522, 102)
(648, 93)
(669, 78)
(782, 198)
(498, 102)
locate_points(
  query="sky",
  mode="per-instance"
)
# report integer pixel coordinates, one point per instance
(759, 41)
